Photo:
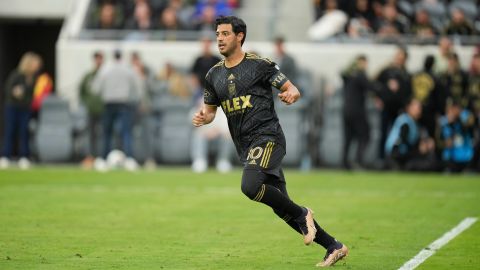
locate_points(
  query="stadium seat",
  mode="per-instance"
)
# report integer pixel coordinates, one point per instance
(292, 119)
(406, 8)
(468, 7)
(80, 131)
(332, 130)
(54, 134)
(172, 145)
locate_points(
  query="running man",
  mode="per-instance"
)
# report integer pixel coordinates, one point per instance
(241, 84)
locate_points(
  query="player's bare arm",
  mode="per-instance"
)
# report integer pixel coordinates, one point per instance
(289, 93)
(204, 116)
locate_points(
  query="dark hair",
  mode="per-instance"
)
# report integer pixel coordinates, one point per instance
(451, 102)
(97, 54)
(279, 39)
(429, 62)
(362, 57)
(238, 25)
(453, 56)
(117, 54)
(404, 49)
(135, 54)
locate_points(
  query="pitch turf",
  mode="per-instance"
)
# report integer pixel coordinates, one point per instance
(174, 219)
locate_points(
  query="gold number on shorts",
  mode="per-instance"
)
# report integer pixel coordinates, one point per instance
(255, 153)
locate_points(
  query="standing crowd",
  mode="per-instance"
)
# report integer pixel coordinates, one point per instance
(429, 119)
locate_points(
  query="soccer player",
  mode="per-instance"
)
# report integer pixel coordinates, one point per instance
(241, 84)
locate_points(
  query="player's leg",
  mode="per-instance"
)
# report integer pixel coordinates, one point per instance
(321, 237)
(108, 122)
(126, 114)
(253, 187)
(263, 161)
(335, 249)
(348, 137)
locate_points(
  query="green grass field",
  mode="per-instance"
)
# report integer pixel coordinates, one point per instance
(173, 219)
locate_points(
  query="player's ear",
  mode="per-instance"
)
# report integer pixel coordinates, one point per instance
(240, 36)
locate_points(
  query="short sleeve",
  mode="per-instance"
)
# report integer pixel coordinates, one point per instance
(209, 95)
(273, 76)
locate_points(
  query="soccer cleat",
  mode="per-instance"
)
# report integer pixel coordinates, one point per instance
(334, 254)
(307, 226)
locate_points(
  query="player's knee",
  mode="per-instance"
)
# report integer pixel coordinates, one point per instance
(252, 181)
(250, 190)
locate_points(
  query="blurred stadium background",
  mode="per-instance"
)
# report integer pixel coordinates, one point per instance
(58, 216)
(67, 33)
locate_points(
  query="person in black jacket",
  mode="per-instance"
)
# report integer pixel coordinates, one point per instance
(394, 90)
(18, 96)
(355, 124)
(455, 81)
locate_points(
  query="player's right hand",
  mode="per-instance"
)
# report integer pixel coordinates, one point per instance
(199, 118)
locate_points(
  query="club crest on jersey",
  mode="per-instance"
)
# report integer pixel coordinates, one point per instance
(231, 89)
(231, 85)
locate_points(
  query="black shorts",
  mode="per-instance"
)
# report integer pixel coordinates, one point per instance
(266, 157)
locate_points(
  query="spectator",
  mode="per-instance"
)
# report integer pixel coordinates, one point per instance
(459, 24)
(204, 136)
(108, 17)
(456, 137)
(474, 106)
(474, 86)
(206, 19)
(184, 12)
(359, 24)
(377, 9)
(392, 24)
(355, 124)
(18, 96)
(394, 89)
(219, 130)
(285, 61)
(202, 65)
(173, 82)
(43, 88)
(321, 6)
(142, 17)
(220, 7)
(118, 89)
(94, 105)
(445, 48)
(422, 27)
(169, 20)
(329, 24)
(455, 81)
(145, 79)
(427, 89)
(405, 148)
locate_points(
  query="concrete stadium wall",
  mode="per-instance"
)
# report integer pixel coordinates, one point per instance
(74, 57)
(45, 9)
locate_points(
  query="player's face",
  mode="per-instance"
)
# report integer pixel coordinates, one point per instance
(227, 41)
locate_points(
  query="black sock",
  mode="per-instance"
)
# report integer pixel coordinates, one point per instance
(322, 237)
(277, 200)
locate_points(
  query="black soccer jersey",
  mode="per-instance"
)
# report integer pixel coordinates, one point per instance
(245, 94)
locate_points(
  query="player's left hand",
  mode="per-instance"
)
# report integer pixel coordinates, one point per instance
(290, 95)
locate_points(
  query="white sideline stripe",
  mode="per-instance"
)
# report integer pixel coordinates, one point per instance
(437, 244)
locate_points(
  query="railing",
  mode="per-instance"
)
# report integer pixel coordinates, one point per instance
(401, 39)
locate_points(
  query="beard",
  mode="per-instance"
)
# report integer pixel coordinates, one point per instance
(228, 50)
